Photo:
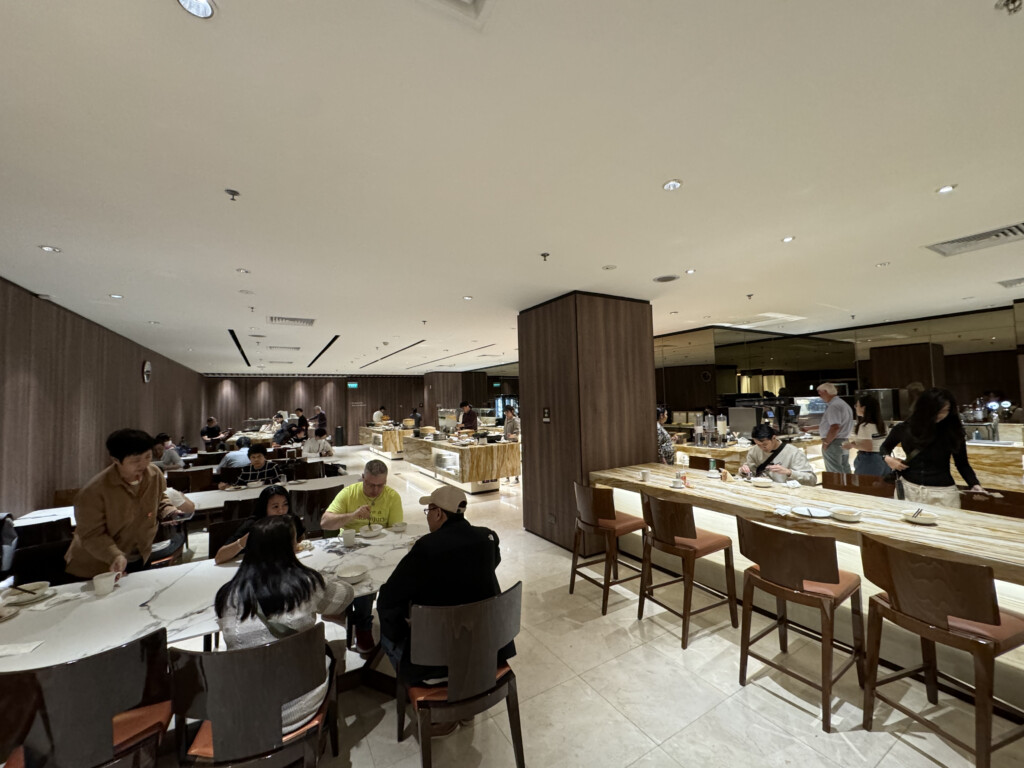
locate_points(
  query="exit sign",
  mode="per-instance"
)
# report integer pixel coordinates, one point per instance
(496, 384)
(353, 384)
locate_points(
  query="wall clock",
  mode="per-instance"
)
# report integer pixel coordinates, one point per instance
(147, 371)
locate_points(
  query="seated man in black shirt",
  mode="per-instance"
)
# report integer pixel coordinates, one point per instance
(452, 565)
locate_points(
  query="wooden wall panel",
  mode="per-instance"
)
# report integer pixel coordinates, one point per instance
(616, 380)
(66, 384)
(683, 388)
(474, 389)
(899, 365)
(399, 394)
(968, 376)
(440, 390)
(552, 456)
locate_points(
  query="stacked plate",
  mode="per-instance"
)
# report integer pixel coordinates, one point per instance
(27, 594)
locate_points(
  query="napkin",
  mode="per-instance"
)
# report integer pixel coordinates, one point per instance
(63, 597)
(16, 649)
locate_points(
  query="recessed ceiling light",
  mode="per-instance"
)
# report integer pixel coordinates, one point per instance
(257, 336)
(242, 271)
(201, 9)
(788, 239)
(966, 298)
(154, 322)
(50, 248)
(672, 185)
(946, 189)
(673, 313)
(690, 271)
(115, 295)
(666, 278)
(253, 328)
(609, 267)
(882, 264)
(190, 349)
(468, 298)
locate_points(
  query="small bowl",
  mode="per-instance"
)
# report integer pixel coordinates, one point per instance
(846, 515)
(373, 528)
(399, 527)
(925, 518)
(762, 482)
(353, 574)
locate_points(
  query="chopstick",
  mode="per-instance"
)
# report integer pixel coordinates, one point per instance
(919, 511)
(26, 591)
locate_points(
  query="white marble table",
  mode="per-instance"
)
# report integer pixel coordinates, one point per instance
(179, 598)
(204, 500)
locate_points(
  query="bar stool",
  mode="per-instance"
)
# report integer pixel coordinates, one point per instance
(596, 513)
(672, 531)
(943, 602)
(801, 569)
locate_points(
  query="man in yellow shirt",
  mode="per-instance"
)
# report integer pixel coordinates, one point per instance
(368, 502)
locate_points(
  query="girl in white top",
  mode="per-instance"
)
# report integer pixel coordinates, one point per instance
(790, 463)
(867, 436)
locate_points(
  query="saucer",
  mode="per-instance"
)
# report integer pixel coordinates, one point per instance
(8, 612)
(678, 484)
(811, 512)
(369, 534)
(14, 597)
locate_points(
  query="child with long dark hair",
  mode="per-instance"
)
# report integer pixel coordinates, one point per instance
(274, 595)
(930, 437)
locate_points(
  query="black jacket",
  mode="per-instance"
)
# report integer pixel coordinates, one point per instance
(453, 565)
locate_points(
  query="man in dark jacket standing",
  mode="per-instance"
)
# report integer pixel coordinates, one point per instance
(452, 565)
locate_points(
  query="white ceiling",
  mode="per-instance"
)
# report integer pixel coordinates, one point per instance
(396, 156)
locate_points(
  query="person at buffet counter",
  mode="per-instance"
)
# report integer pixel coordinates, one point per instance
(468, 418)
(272, 596)
(417, 418)
(301, 421)
(273, 501)
(931, 435)
(379, 415)
(369, 501)
(119, 511)
(164, 454)
(454, 564)
(318, 446)
(868, 432)
(834, 428)
(238, 457)
(286, 435)
(319, 417)
(666, 447)
(259, 470)
(512, 431)
(782, 461)
(212, 434)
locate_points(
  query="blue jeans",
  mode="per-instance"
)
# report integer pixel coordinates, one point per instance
(869, 464)
(836, 459)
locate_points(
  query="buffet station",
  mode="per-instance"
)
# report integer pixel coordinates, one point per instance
(472, 465)
(385, 440)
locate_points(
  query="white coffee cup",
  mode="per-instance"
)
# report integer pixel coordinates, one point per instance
(645, 475)
(103, 583)
(349, 536)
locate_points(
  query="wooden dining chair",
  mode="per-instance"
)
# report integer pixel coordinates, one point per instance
(309, 470)
(237, 703)
(670, 529)
(949, 603)
(802, 569)
(48, 532)
(209, 458)
(866, 485)
(700, 462)
(201, 479)
(229, 475)
(42, 562)
(108, 709)
(180, 480)
(238, 509)
(596, 514)
(465, 639)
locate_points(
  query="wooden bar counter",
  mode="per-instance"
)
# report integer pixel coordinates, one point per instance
(473, 468)
(732, 456)
(997, 466)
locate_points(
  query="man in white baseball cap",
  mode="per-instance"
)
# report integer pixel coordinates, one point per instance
(454, 564)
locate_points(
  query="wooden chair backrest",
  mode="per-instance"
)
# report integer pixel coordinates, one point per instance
(43, 562)
(65, 497)
(593, 504)
(930, 589)
(466, 639)
(200, 479)
(49, 532)
(241, 692)
(309, 470)
(179, 480)
(700, 462)
(238, 509)
(786, 557)
(219, 533)
(668, 519)
(209, 458)
(310, 505)
(867, 485)
(64, 713)
(230, 475)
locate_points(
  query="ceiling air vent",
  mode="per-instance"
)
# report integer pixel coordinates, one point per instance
(1012, 283)
(294, 349)
(281, 362)
(1009, 234)
(763, 319)
(305, 322)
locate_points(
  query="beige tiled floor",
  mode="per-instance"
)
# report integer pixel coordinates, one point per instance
(614, 691)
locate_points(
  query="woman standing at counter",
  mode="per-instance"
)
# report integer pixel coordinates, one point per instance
(782, 461)
(512, 430)
(666, 448)
(931, 435)
(866, 436)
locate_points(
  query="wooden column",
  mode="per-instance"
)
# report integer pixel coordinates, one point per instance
(899, 365)
(1018, 325)
(440, 390)
(586, 385)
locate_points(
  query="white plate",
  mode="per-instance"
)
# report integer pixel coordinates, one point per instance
(235, 488)
(14, 597)
(762, 482)
(8, 612)
(811, 512)
(398, 527)
(353, 574)
(846, 515)
(925, 518)
(365, 534)
(297, 482)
